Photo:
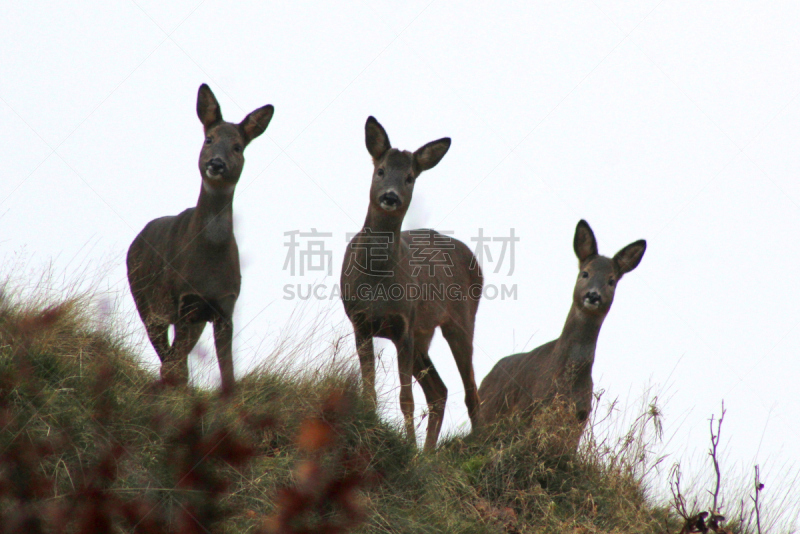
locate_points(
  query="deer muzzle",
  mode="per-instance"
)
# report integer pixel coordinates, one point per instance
(390, 201)
(592, 300)
(215, 167)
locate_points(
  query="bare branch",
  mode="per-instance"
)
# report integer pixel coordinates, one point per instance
(713, 453)
(678, 500)
(757, 487)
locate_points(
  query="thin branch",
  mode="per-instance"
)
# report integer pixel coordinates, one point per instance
(713, 453)
(757, 486)
(678, 500)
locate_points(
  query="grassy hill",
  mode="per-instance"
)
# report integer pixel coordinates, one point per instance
(91, 442)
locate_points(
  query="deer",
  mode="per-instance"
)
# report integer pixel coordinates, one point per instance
(183, 270)
(562, 368)
(402, 285)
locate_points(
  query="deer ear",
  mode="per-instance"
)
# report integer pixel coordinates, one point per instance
(629, 257)
(256, 122)
(376, 138)
(207, 107)
(427, 156)
(585, 244)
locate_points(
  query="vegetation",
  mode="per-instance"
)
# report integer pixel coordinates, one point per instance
(92, 443)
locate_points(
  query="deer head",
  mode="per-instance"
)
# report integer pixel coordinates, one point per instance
(397, 170)
(598, 275)
(222, 156)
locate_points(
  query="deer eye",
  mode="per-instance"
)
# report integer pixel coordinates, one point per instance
(380, 172)
(409, 179)
(237, 147)
(584, 274)
(611, 281)
(208, 140)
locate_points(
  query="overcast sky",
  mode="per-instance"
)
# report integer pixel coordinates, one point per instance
(676, 122)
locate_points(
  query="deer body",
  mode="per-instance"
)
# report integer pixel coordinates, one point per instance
(562, 368)
(183, 270)
(390, 281)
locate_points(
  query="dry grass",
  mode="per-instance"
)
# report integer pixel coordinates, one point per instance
(91, 442)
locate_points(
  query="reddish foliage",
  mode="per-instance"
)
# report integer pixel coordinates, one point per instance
(328, 480)
(321, 495)
(26, 491)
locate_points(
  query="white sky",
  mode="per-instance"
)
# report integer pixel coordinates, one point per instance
(677, 122)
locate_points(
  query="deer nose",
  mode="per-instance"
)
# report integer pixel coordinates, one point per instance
(390, 200)
(216, 165)
(593, 297)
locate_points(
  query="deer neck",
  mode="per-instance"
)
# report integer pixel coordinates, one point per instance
(576, 345)
(383, 230)
(213, 216)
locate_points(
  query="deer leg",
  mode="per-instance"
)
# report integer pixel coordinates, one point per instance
(405, 365)
(460, 340)
(223, 341)
(366, 359)
(175, 369)
(432, 385)
(157, 332)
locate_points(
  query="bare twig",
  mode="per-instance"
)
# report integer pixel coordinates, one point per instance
(757, 487)
(713, 453)
(678, 500)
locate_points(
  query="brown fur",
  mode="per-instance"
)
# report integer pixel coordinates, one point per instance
(410, 260)
(183, 270)
(563, 367)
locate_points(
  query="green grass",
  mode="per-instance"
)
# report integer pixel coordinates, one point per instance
(90, 438)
